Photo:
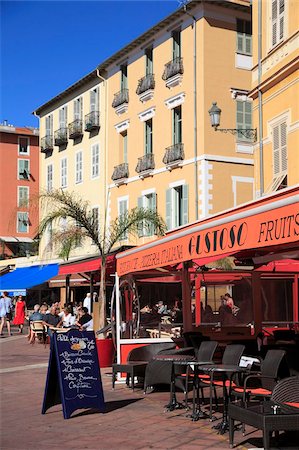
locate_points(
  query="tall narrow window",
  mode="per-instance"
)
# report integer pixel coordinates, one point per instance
(278, 19)
(280, 165)
(78, 106)
(149, 61)
(148, 129)
(79, 167)
(124, 77)
(124, 146)
(63, 117)
(24, 146)
(49, 183)
(177, 125)
(95, 158)
(94, 100)
(122, 211)
(49, 125)
(177, 206)
(23, 169)
(23, 196)
(176, 44)
(148, 201)
(22, 222)
(244, 37)
(244, 118)
(63, 173)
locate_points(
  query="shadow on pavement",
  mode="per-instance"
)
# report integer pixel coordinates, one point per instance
(109, 407)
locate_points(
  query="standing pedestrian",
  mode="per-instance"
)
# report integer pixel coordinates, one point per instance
(5, 312)
(20, 308)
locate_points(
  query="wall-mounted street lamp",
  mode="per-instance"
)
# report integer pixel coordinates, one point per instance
(215, 112)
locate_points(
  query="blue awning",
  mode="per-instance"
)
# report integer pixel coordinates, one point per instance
(27, 277)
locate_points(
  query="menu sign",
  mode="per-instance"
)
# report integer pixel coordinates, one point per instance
(73, 377)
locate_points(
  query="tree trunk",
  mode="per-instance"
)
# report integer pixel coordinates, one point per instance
(102, 295)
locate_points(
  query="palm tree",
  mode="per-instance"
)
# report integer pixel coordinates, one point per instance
(80, 225)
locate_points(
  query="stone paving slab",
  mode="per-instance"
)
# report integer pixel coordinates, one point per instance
(132, 421)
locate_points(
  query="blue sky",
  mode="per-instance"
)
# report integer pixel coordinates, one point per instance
(47, 46)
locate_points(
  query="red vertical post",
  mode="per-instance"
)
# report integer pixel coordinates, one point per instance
(186, 294)
(197, 301)
(296, 299)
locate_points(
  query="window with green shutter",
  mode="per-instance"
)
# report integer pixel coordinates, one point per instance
(122, 211)
(149, 61)
(244, 118)
(22, 222)
(23, 196)
(78, 108)
(124, 137)
(244, 37)
(177, 212)
(124, 77)
(94, 100)
(148, 129)
(177, 125)
(63, 117)
(23, 169)
(176, 44)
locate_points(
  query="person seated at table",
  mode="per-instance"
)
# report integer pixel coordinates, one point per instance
(36, 315)
(208, 315)
(52, 320)
(85, 322)
(162, 309)
(67, 318)
(176, 311)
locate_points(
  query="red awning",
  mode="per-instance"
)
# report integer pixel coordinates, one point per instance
(92, 265)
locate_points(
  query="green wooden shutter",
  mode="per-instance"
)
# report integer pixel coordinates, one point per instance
(140, 225)
(185, 204)
(153, 208)
(168, 209)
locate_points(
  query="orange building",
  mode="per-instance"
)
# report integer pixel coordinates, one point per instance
(19, 184)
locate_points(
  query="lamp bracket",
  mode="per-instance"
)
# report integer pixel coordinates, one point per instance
(250, 133)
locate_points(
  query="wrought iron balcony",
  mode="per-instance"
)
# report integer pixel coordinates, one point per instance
(92, 121)
(75, 129)
(121, 171)
(145, 84)
(146, 162)
(172, 68)
(174, 154)
(46, 143)
(120, 98)
(60, 136)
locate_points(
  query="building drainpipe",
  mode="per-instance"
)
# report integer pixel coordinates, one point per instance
(194, 111)
(260, 98)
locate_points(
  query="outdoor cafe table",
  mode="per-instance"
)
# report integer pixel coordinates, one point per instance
(225, 371)
(267, 416)
(178, 360)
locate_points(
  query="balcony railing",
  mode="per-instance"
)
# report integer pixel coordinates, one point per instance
(75, 129)
(145, 84)
(60, 136)
(174, 153)
(46, 143)
(92, 121)
(173, 68)
(146, 162)
(120, 98)
(120, 171)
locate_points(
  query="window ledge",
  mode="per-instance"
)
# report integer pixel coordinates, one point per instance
(121, 109)
(174, 81)
(174, 165)
(147, 95)
(120, 181)
(146, 173)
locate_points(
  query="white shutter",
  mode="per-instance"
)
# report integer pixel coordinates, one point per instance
(283, 147)
(94, 100)
(185, 204)
(274, 21)
(276, 158)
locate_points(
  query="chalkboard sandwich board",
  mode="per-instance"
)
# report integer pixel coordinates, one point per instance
(73, 377)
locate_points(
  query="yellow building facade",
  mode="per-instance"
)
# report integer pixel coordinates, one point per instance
(72, 131)
(275, 94)
(136, 131)
(162, 150)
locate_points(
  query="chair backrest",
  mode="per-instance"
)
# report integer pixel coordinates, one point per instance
(274, 365)
(232, 354)
(146, 352)
(286, 390)
(206, 350)
(37, 326)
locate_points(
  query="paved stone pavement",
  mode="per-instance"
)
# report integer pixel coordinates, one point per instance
(132, 421)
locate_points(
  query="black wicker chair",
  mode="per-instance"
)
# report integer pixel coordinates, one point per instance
(137, 361)
(260, 385)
